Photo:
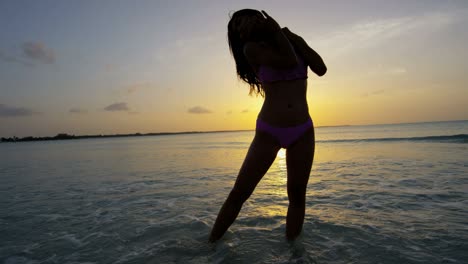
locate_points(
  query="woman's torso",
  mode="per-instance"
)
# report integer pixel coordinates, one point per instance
(285, 103)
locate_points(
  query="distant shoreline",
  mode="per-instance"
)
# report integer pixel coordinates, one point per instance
(64, 136)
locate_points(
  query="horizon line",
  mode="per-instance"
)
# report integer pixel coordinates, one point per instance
(72, 136)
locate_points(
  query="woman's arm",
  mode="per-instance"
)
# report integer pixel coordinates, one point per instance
(281, 56)
(311, 57)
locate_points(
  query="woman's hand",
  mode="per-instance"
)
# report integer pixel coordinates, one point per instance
(270, 23)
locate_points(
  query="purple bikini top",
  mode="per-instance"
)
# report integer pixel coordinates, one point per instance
(267, 74)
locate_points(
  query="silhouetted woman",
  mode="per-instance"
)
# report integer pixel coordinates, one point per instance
(273, 61)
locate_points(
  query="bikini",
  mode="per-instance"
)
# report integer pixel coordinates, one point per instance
(286, 136)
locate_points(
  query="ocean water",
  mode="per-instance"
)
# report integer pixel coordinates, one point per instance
(377, 194)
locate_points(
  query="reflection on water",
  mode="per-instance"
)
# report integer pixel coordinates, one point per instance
(281, 154)
(280, 162)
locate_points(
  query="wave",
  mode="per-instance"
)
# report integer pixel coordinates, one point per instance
(461, 138)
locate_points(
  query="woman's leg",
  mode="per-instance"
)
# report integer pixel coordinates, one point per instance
(261, 154)
(299, 158)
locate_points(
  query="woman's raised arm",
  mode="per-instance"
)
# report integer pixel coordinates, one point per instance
(311, 57)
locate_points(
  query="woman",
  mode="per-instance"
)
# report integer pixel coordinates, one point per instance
(273, 61)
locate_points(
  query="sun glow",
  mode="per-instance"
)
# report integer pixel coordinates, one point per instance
(281, 154)
(281, 163)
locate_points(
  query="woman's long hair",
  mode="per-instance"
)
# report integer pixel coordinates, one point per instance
(236, 45)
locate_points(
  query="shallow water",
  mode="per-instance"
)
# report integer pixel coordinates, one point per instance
(377, 194)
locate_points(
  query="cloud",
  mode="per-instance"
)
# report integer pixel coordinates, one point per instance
(397, 71)
(121, 106)
(199, 110)
(137, 87)
(392, 71)
(245, 111)
(37, 51)
(76, 110)
(11, 111)
(229, 112)
(376, 92)
(8, 58)
(367, 34)
(381, 91)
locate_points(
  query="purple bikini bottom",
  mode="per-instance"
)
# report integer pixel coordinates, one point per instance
(285, 135)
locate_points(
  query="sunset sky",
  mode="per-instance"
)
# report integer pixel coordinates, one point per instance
(105, 67)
